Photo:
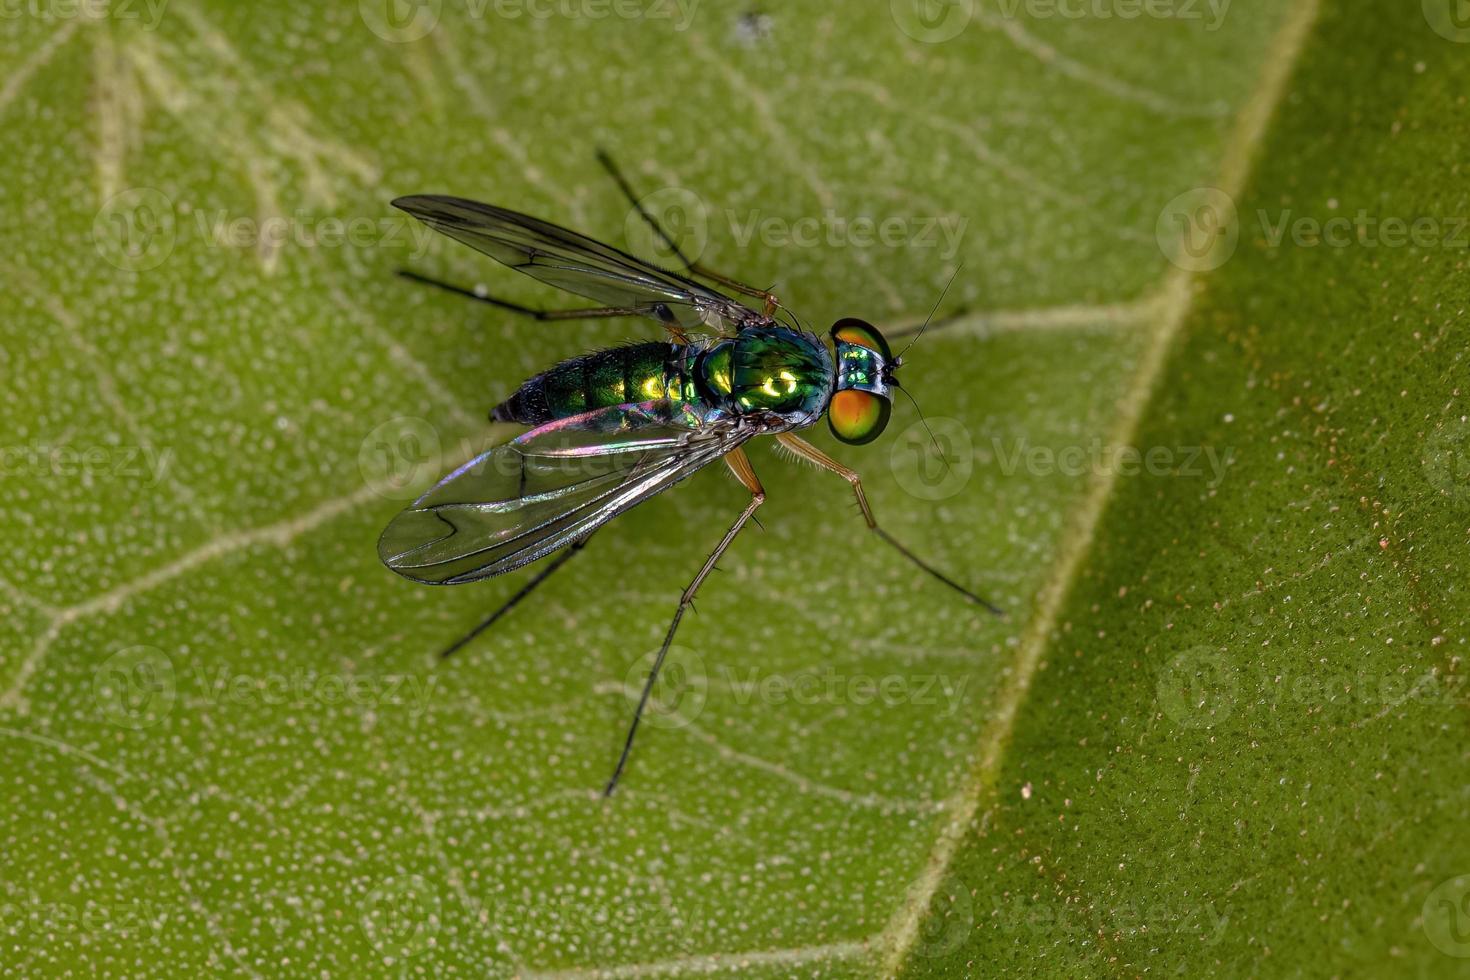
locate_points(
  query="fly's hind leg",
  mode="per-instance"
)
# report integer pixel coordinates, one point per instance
(740, 465)
(771, 303)
(812, 454)
(514, 600)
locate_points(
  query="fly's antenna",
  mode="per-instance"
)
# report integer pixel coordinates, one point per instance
(933, 439)
(937, 302)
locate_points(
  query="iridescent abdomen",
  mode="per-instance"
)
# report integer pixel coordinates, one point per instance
(632, 373)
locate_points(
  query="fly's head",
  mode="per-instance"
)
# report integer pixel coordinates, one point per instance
(861, 398)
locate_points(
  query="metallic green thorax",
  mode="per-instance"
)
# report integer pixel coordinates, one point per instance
(781, 371)
(763, 370)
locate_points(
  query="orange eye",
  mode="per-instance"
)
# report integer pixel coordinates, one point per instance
(851, 330)
(857, 417)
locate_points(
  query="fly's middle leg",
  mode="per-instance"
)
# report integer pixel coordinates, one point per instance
(739, 464)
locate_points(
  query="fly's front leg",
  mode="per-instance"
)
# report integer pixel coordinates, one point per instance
(739, 464)
(812, 454)
(771, 303)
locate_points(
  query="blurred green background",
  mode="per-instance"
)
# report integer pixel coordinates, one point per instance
(1205, 442)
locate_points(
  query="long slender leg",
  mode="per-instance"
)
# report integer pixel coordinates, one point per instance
(740, 464)
(765, 295)
(585, 314)
(812, 454)
(525, 590)
(593, 313)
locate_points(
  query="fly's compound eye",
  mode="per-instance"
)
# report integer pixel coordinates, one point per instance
(861, 333)
(857, 417)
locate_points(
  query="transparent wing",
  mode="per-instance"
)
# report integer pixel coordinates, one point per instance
(552, 485)
(576, 263)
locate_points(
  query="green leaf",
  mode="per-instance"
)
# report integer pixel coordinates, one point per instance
(1238, 746)
(230, 744)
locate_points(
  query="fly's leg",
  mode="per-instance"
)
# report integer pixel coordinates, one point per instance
(739, 464)
(592, 313)
(764, 295)
(812, 454)
(512, 602)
